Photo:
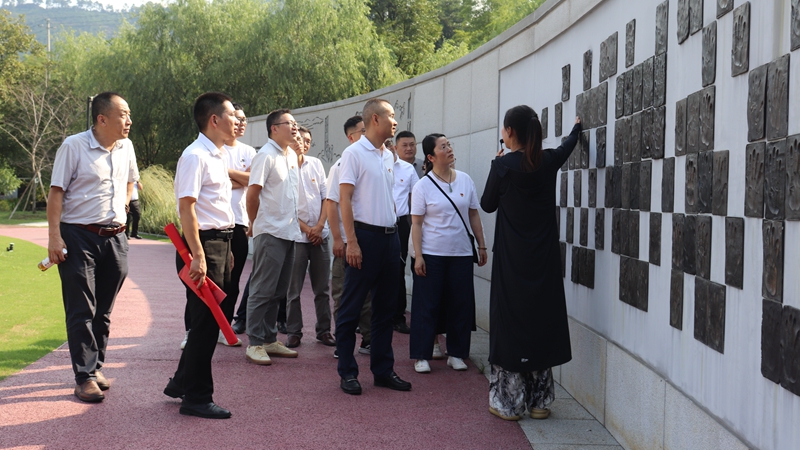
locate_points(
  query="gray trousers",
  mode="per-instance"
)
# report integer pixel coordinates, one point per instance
(337, 287)
(272, 270)
(317, 260)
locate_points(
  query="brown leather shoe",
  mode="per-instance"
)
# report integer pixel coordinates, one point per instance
(102, 381)
(327, 339)
(293, 341)
(89, 392)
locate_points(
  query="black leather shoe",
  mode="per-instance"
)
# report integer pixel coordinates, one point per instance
(173, 390)
(293, 342)
(327, 339)
(393, 382)
(206, 410)
(282, 327)
(402, 328)
(238, 327)
(351, 386)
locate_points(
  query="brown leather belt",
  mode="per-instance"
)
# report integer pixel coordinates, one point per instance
(103, 230)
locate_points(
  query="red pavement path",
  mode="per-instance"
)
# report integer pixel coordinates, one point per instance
(293, 404)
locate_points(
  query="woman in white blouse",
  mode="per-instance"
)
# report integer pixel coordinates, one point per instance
(444, 294)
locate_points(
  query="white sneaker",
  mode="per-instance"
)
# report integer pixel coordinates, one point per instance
(278, 349)
(456, 363)
(221, 340)
(422, 366)
(257, 354)
(185, 338)
(437, 351)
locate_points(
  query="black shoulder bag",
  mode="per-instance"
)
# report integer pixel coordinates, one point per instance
(475, 257)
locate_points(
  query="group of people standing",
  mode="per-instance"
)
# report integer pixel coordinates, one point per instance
(379, 204)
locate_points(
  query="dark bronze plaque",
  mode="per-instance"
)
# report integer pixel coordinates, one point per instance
(588, 109)
(792, 210)
(642, 284)
(630, 42)
(709, 54)
(703, 241)
(576, 188)
(677, 241)
(570, 224)
(683, 20)
(565, 78)
(778, 98)
(600, 136)
(659, 131)
(668, 185)
(617, 187)
(676, 299)
(754, 180)
(632, 233)
(575, 273)
(794, 24)
(695, 16)
(563, 246)
(705, 181)
(740, 54)
(637, 88)
(647, 133)
(660, 80)
(616, 231)
(719, 198)
(625, 278)
(715, 331)
(619, 96)
(580, 109)
(734, 252)
(626, 186)
(636, 168)
(583, 233)
(628, 101)
(584, 149)
(619, 141)
(587, 70)
(608, 57)
(790, 349)
(680, 127)
(775, 180)
(603, 61)
(635, 143)
(599, 228)
(771, 355)
(559, 117)
(707, 108)
(693, 122)
(545, 121)
(724, 7)
(692, 184)
(647, 82)
(592, 188)
(655, 239)
(600, 100)
(662, 22)
(689, 244)
(772, 280)
(608, 201)
(587, 271)
(645, 181)
(625, 136)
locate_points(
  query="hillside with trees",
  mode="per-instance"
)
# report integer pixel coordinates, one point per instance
(79, 17)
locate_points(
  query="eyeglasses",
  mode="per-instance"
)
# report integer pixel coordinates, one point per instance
(243, 120)
(362, 131)
(291, 124)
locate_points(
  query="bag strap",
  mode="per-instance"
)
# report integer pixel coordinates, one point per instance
(428, 175)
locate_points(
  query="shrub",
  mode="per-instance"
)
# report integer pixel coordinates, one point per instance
(157, 200)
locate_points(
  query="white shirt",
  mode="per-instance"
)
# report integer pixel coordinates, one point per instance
(443, 233)
(333, 193)
(135, 193)
(370, 171)
(311, 193)
(203, 175)
(239, 157)
(94, 180)
(405, 177)
(278, 176)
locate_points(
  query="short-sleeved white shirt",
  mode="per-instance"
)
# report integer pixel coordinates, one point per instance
(371, 172)
(333, 193)
(278, 176)
(405, 177)
(202, 174)
(94, 180)
(312, 192)
(239, 157)
(443, 233)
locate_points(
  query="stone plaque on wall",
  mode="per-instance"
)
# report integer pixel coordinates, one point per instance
(545, 121)
(559, 116)
(677, 241)
(592, 188)
(771, 355)
(635, 143)
(792, 210)
(691, 184)
(710, 314)
(616, 230)
(794, 24)
(724, 7)
(583, 233)
(790, 346)
(734, 252)
(637, 88)
(562, 198)
(619, 96)
(660, 80)
(616, 186)
(709, 71)
(695, 16)
(754, 180)
(668, 185)
(707, 108)
(680, 127)
(647, 133)
(587, 110)
(693, 122)
(772, 279)
(626, 186)
(740, 54)
(634, 186)
(647, 82)
(719, 198)
(576, 188)
(655, 239)
(587, 70)
(659, 131)
(662, 22)
(628, 100)
(609, 188)
(599, 228)
(705, 181)
(689, 244)
(600, 136)
(778, 98)
(601, 105)
(630, 42)
(676, 299)
(584, 149)
(565, 78)
(645, 181)
(683, 20)
(703, 244)
(570, 225)
(756, 103)
(608, 57)
(575, 272)
(632, 233)
(775, 180)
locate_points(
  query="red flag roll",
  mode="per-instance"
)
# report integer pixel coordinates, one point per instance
(209, 293)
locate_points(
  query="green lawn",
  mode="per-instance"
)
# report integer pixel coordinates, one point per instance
(31, 311)
(22, 217)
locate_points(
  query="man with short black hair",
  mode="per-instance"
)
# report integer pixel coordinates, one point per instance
(203, 194)
(406, 147)
(93, 176)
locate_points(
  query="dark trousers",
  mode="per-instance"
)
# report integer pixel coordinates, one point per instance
(241, 311)
(194, 368)
(239, 248)
(91, 277)
(447, 289)
(134, 214)
(403, 230)
(379, 266)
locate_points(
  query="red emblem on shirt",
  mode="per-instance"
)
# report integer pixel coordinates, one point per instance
(462, 194)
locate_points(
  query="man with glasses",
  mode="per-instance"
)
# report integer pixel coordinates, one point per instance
(272, 208)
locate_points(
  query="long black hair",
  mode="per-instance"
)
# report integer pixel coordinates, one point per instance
(525, 123)
(429, 148)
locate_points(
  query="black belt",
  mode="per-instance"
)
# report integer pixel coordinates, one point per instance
(103, 230)
(365, 226)
(225, 235)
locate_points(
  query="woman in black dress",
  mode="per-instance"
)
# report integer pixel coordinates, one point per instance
(529, 333)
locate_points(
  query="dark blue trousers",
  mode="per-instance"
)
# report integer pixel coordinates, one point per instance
(379, 267)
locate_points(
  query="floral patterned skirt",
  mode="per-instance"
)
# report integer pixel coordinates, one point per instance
(513, 393)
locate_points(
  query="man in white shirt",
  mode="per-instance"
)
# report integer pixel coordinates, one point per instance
(311, 251)
(272, 208)
(405, 177)
(373, 249)
(93, 176)
(203, 194)
(406, 147)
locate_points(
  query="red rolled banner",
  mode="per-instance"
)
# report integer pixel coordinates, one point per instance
(209, 293)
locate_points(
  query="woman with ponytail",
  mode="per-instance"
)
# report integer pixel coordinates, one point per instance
(529, 333)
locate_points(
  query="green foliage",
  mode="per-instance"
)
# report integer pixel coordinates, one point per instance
(81, 18)
(157, 200)
(493, 17)
(8, 179)
(15, 39)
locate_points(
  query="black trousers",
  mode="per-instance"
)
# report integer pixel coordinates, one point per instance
(194, 368)
(134, 214)
(91, 277)
(403, 230)
(239, 248)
